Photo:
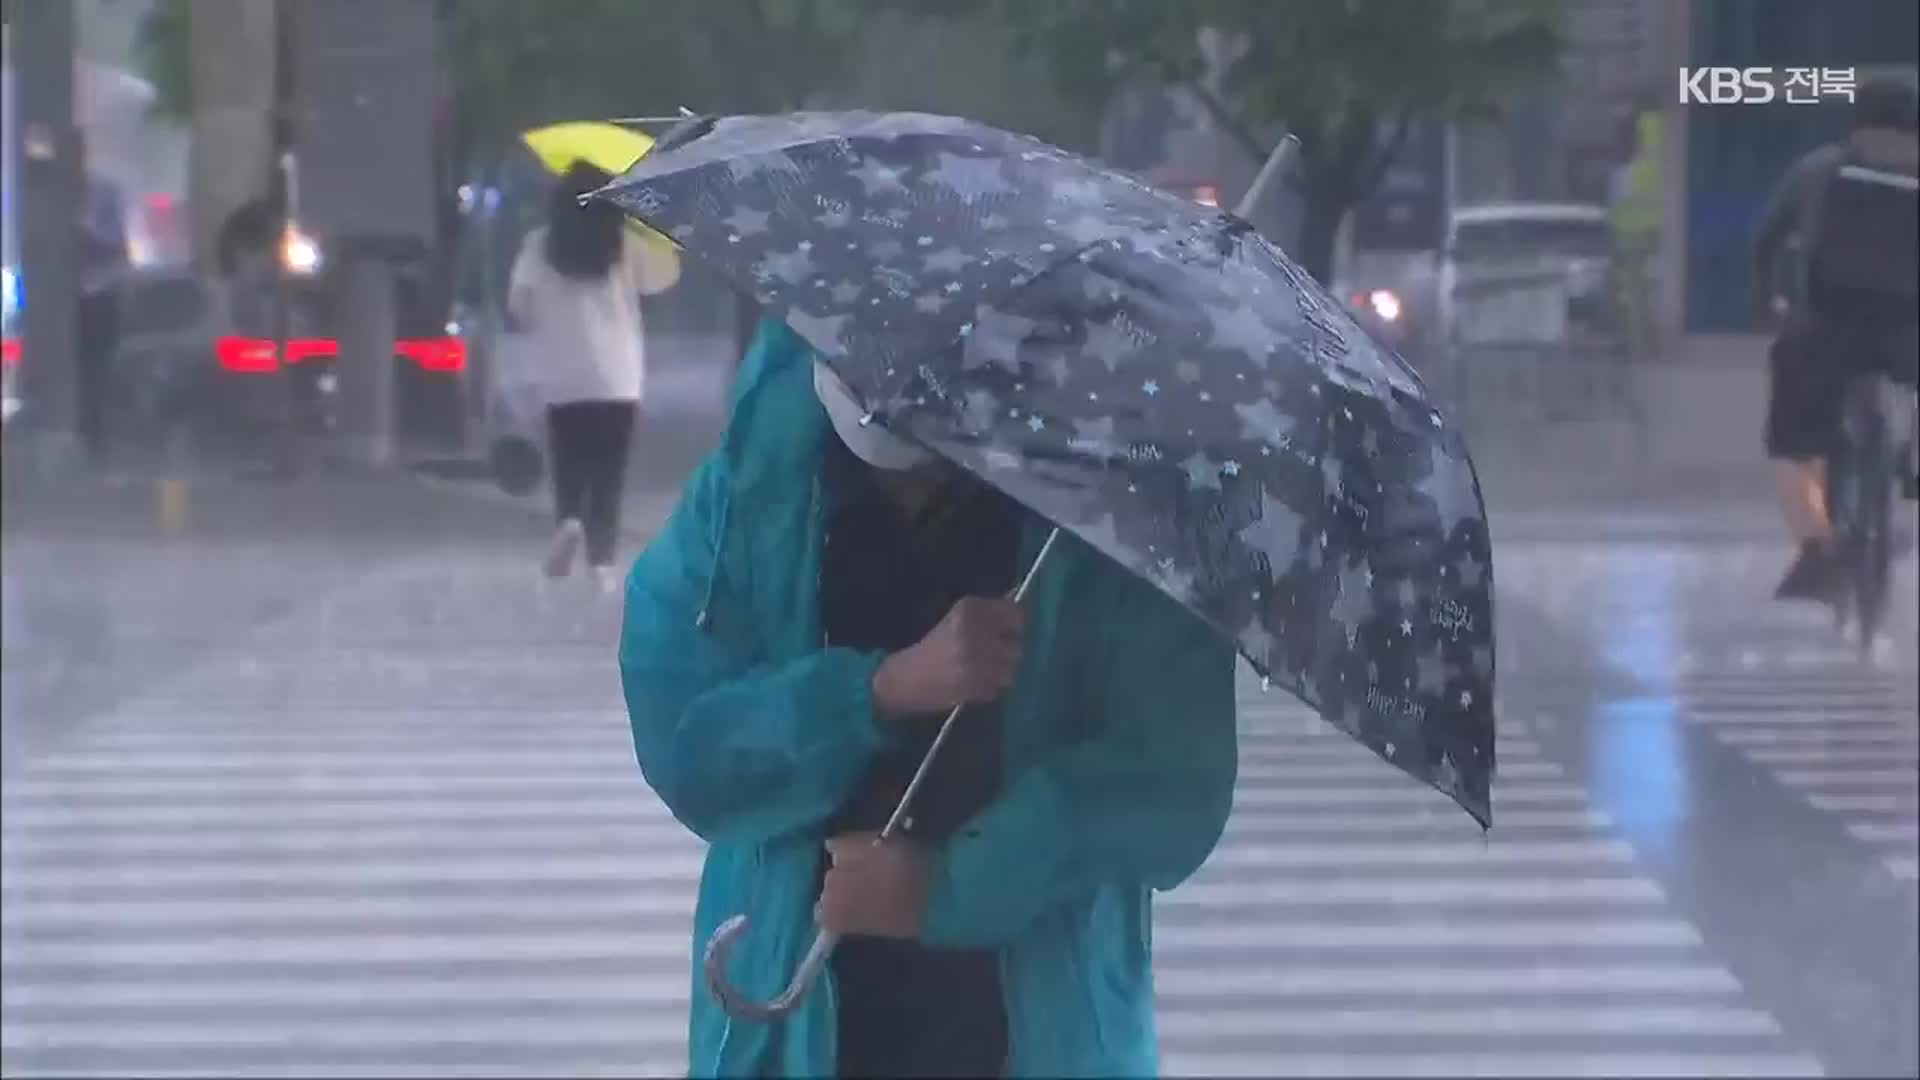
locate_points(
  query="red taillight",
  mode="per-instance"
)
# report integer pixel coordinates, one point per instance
(9, 352)
(299, 349)
(257, 356)
(245, 356)
(437, 355)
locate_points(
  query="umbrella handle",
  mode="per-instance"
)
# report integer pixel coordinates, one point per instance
(738, 1005)
(720, 946)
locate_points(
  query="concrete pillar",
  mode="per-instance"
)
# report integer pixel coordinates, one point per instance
(233, 56)
(368, 327)
(1670, 309)
(47, 214)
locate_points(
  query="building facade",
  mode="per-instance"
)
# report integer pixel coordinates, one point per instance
(1729, 156)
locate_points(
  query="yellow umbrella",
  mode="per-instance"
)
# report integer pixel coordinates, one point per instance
(609, 147)
(613, 149)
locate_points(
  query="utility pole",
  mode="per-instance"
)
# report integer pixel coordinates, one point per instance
(51, 183)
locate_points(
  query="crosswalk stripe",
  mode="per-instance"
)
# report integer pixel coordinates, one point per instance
(1885, 833)
(1457, 933)
(239, 952)
(1585, 1019)
(604, 764)
(1863, 804)
(1602, 1064)
(1296, 980)
(1398, 791)
(640, 809)
(507, 991)
(1368, 769)
(1818, 755)
(558, 835)
(1886, 742)
(1868, 719)
(292, 813)
(561, 784)
(1406, 891)
(486, 1063)
(359, 1033)
(1512, 822)
(638, 901)
(393, 735)
(1830, 779)
(1467, 855)
(521, 988)
(349, 870)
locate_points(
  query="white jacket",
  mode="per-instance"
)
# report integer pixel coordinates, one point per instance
(582, 340)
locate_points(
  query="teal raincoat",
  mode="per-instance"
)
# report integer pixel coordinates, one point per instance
(1119, 752)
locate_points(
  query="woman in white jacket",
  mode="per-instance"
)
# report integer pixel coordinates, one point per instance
(574, 294)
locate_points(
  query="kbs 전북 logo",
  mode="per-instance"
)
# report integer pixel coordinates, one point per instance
(1763, 85)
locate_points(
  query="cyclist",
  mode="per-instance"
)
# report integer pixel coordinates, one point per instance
(1845, 297)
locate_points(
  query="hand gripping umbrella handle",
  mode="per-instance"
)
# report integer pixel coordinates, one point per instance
(720, 946)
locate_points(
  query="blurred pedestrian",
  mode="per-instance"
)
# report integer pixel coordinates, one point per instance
(1830, 328)
(574, 297)
(825, 592)
(103, 257)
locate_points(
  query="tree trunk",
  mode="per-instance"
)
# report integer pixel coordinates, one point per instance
(1318, 232)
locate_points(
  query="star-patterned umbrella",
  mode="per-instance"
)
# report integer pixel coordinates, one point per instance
(1146, 372)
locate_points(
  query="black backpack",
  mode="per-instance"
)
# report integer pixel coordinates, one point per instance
(1863, 262)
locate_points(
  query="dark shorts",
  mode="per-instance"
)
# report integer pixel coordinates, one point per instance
(1810, 363)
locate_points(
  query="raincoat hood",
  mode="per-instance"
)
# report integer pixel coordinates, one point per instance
(859, 430)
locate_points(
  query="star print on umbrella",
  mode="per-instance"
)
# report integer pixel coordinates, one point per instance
(1146, 372)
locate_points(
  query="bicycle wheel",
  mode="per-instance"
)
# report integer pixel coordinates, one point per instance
(1846, 505)
(1874, 571)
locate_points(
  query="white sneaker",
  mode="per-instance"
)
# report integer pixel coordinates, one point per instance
(608, 578)
(564, 549)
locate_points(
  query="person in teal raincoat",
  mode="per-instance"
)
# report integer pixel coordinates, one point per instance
(1094, 765)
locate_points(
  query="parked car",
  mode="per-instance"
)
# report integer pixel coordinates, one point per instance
(1531, 251)
(1518, 252)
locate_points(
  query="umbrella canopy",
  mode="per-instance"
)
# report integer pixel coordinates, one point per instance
(1144, 371)
(607, 147)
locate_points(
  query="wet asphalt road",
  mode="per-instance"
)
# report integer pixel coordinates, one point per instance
(333, 784)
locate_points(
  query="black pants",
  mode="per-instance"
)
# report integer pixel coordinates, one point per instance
(96, 342)
(588, 441)
(1811, 361)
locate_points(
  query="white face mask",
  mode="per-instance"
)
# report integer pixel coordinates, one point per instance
(869, 442)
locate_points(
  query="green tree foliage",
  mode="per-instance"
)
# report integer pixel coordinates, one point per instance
(511, 64)
(164, 54)
(963, 64)
(1346, 76)
(514, 64)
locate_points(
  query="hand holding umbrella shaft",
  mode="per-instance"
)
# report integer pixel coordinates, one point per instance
(926, 763)
(969, 658)
(721, 945)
